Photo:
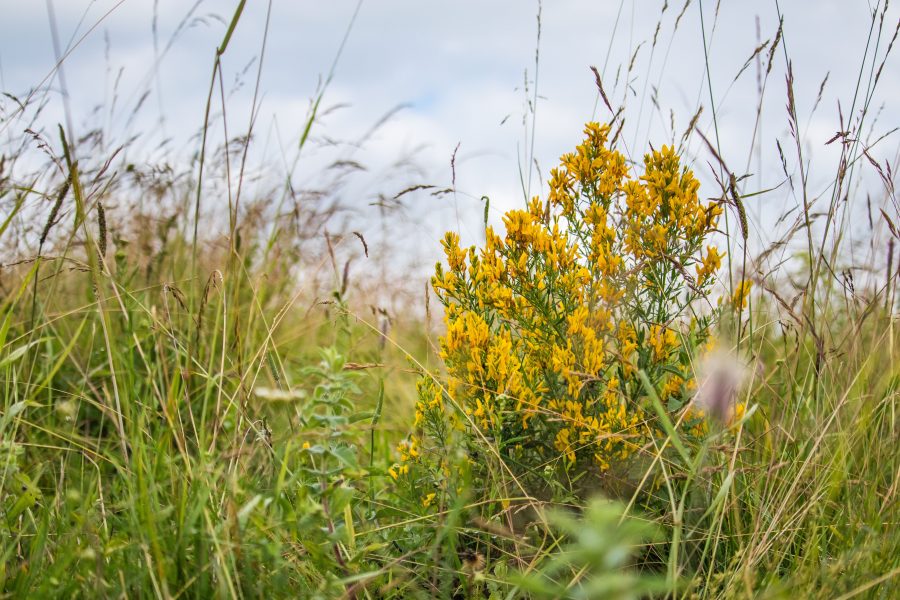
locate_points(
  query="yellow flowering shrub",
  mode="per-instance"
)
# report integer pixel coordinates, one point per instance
(548, 325)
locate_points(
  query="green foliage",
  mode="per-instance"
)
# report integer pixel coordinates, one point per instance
(596, 562)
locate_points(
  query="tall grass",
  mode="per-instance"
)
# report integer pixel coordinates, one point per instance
(186, 414)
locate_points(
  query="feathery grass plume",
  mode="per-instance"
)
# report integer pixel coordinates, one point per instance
(739, 205)
(101, 233)
(345, 278)
(54, 212)
(691, 125)
(719, 376)
(363, 241)
(888, 297)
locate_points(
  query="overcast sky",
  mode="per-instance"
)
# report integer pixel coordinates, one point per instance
(459, 71)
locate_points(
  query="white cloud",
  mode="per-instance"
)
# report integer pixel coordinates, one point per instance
(461, 66)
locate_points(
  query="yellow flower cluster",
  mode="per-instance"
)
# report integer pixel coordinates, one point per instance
(548, 325)
(663, 341)
(710, 264)
(409, 452)
(695, 422)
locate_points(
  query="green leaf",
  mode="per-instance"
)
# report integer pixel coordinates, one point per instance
(19, 352)
(26, 495)
(361, 417)
(231, 27)
(247, 509)
(339, 497)
(376, 416)
(346, 455)
(664, 418)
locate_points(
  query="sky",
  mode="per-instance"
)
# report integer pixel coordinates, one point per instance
(457, 81)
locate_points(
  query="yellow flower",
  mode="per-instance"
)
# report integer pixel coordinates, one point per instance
(672, 387)
(408, 449)
(562, 444)
(741, 293)
(710, 264)
(700, 426)
(663, 340)
(426, 502)
(740, 409)
(455, 256)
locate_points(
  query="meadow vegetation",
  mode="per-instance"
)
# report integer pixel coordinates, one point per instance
(608, 397)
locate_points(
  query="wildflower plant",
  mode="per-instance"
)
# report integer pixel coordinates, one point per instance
(549, 324)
